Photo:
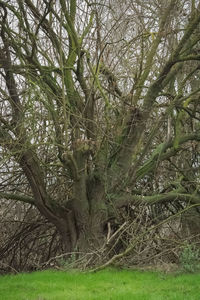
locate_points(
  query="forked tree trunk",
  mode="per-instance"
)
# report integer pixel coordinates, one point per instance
(89, 219)
(83, 233)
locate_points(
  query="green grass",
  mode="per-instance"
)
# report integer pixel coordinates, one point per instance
(104, 285)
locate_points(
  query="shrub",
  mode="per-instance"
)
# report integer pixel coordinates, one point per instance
(190, 258)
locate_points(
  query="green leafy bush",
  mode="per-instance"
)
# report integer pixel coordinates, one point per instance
(190, 258)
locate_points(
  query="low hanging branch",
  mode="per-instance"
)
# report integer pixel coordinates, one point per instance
(131, 247)
(17, 197)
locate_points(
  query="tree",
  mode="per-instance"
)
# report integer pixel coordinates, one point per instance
(99, 109)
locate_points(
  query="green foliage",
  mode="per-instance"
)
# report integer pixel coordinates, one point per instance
(68, 263)
(190, 258)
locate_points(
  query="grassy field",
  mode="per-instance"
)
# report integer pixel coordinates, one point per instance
(104, 285)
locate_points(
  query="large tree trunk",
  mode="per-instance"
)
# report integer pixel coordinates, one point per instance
(90, 215)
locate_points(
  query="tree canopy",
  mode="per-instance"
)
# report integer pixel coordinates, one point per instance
(99, 110)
